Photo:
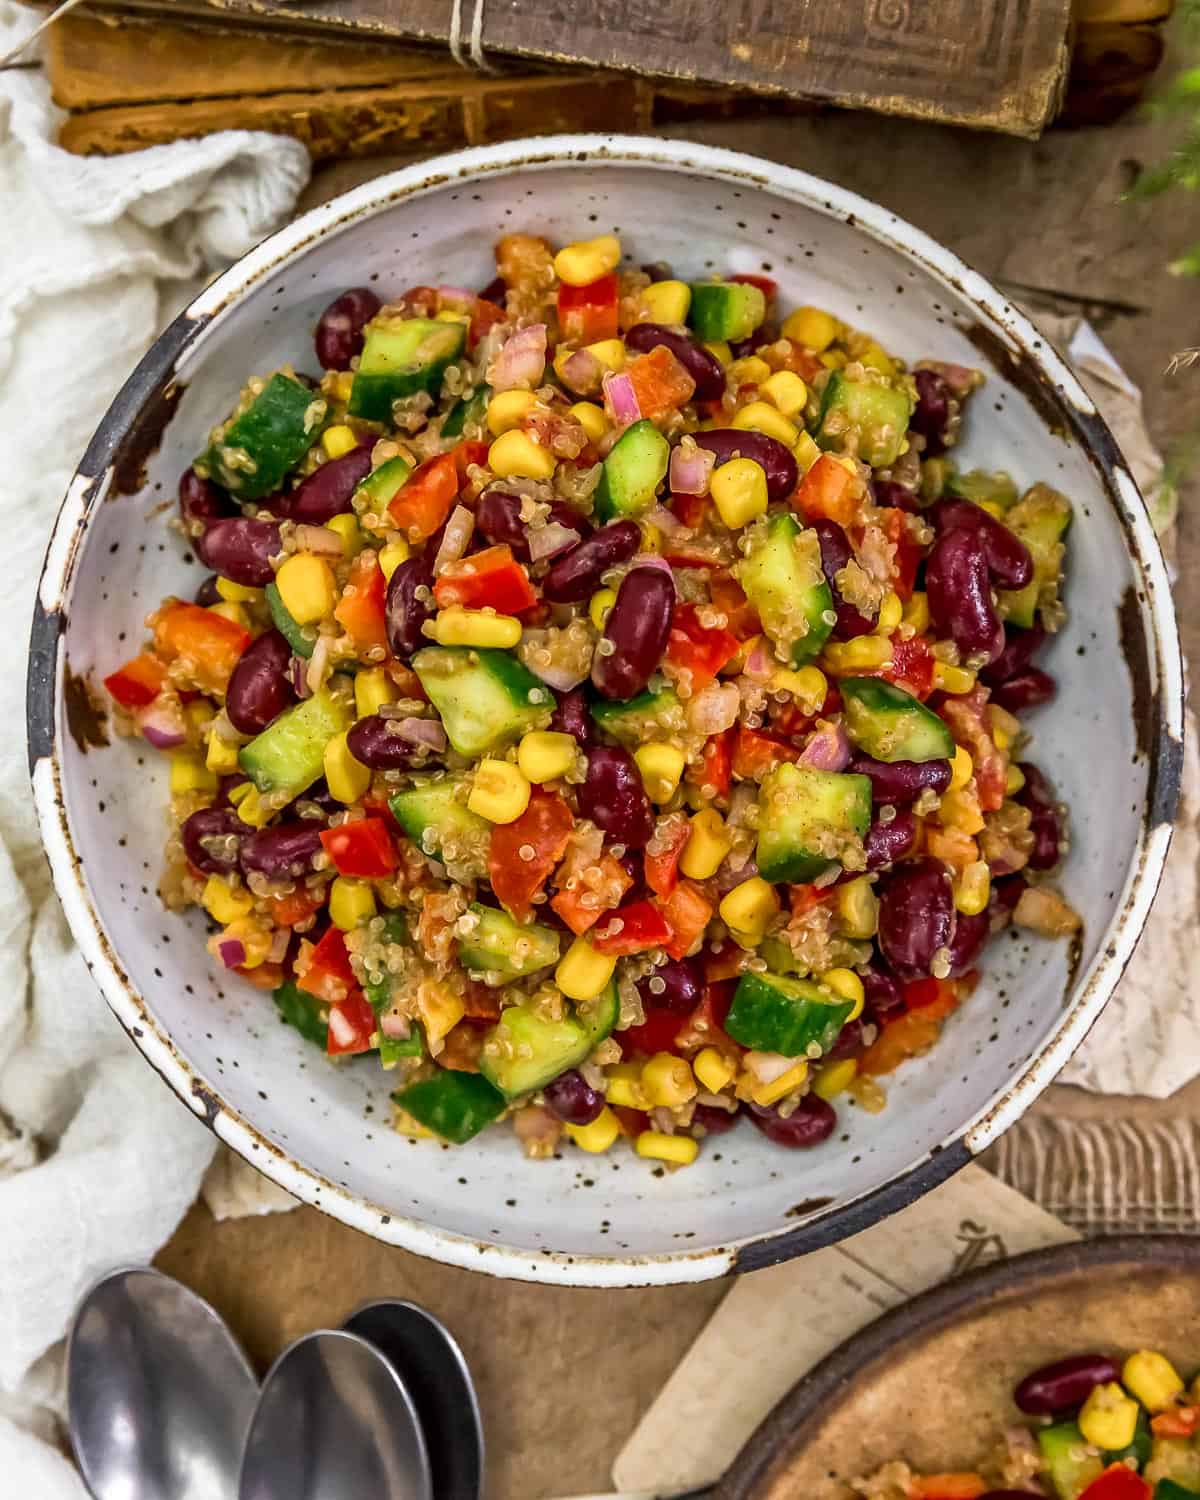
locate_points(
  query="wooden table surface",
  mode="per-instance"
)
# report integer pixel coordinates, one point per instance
(564, 1375)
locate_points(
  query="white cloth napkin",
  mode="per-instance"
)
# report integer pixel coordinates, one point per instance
(98, 1161)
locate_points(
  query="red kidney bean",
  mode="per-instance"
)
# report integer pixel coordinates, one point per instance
(1020, 647)
(931, 417)
(1005, 894)
(886, 843)
(901, 781)
(1064, 1385)
(260, 688)
(241, 549)
(409, 604)
(916, 916)
(572, 1100)
(835, 554)
(960, 596)
(339, 335)
(682, 985)
(201, 503)
(613, 797)
(970, 934)
(212, 823)
(713, 1120)
(813, 1121)
(283, 852)
(498, 518)
(575, 575)
(1025, 690)
(849, 1042)
(1046, 825)
(635, 633)
(777, 462)
(704, 368)
(1009, 560)
(572, 717)
(495, 291)
(327, 491)
(207, 593)
(883, 996)
(896, 496)
(370, 741)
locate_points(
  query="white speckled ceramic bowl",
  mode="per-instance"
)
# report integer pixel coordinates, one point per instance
(1111, 742)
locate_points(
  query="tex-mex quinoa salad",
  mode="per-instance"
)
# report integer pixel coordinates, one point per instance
(604, 707)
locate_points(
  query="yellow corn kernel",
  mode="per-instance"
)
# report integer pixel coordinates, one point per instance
(809, 326)
(592, 418)
(916, 613)
(666, 302)
(805, 452)
(347, 778)
(713, 1069)
(223, 903)
(347, 529)
(623, 1086)
(972, 889)
(956, 680)
(250, 806)
(341, 385)
(599, 606)
(351, 902)
(515, 455)
(858, 909)
(372, 689)
(833, 359)
(679, 1150)
(864, 653)
(1152, 1378)
(229, 609)
(760, 416)
(808, 685)
(199, 715)
(876, 357)
(785, 390)
(962, 768)
(508, 409)
(392, 556)
(610, 353)
(891, 612)
(708, 843)
(781, 1087)
(405, 1124)
(221, 755)
(1004, 726)
(993, 508)
(441, 1010)
(846, 984)
(545, 755)
(306, 586)
(667, 1081)
(254, 939)
(500, 792)
(834, 1078)
(599, 1135)
(720, 350)
(582, 972)
(475, 627)
(749, 370)
(451, 315)
(661, 766)
(739, 491)
(339, 440)
(1108, 1418)
(1014, 780)
(190, 773)
(961, 810)
(237, 593)
(748, 909)
(587, 260)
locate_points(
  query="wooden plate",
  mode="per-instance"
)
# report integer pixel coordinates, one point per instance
(931, 1382)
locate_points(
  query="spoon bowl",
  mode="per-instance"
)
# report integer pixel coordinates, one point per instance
(159, 1395)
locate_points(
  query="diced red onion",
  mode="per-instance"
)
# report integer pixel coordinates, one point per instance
(455, 297)
(161, 724)
(455, 539)
(691, 469)
(767, 1066)
(651, 560)
(550, 540)
(279, 945)
(582, 372)
(421, 732)
(318, 540)
(399, 1028)
(827, 750)
(231, 952)
(521, 361)
(299, 674)
(620, 400)
(728, 878)
(760, 664)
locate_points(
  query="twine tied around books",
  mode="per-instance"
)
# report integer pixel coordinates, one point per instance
(473, 56)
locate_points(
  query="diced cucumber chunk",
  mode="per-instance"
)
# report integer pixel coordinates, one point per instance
(1178, 1460)
(771, 1013)
(982, 487)
(293, 633)
(809, 820)
(1167, 1489)
(863, 417)
(394, 1049)
(632, 472)
(781, 574)
(1040, 519)
(500, 947)
(435, 815)
(525, 1051)
(256, 449)
(455, 1106)
(400, 357)
(471, 409)
(289, 755)
(1070, 1465)
(303, 1011)
(889, 724)
(639, 719)
(726, 309)
(376, 492)
(486, 698)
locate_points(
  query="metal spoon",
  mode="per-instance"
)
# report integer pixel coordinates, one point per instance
(334, 1422)
(159, 1395)
(432, 1366)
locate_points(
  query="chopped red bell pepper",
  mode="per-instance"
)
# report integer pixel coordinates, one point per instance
(657, 1033)
(492, 579)
(632, 1121)
(729, 597)
(699, 649)
(689, 509)
(804, 897)
(938, 996)
(362, 850)
(484, 316)
(480, 1001)
(754, 754)
(895, 526)
(352, 1024)
(361, 613)
(138, 681)
(716, 765)
(209, 644)
(912, 666)
(470, 451)
(587, 314)
(962, 1486)
(579, 913)
(329, 976)
(706, 1025)
(632, 929)
(423, 501)
(297, 906)
(660, 382)
(1176, 1422)
(660, 858)
(967, 716)
(1117, 1483)
(909, 1035)
(688, 911)
(522, 854)
(827, 490)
